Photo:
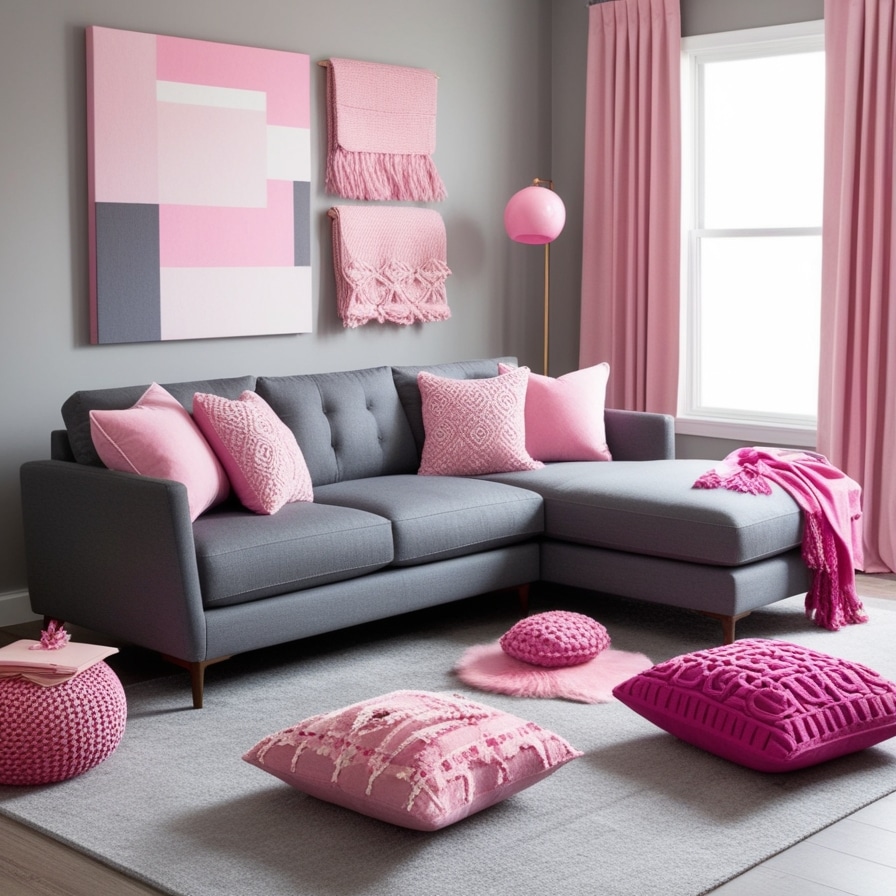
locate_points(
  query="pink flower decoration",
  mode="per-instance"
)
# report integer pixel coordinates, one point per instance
(53, 637)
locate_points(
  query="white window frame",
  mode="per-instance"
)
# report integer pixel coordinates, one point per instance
(693, 419)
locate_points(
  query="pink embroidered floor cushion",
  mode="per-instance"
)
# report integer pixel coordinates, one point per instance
(258, 450)
(50, 734)
(769, 705)
(474, 427)
(556, 638)
(417, 759)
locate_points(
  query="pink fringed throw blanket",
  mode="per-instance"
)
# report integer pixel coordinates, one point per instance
(381, 132)
(831, 505)
(390, 264)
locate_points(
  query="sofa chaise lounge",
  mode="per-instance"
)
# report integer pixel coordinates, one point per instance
(118, 553)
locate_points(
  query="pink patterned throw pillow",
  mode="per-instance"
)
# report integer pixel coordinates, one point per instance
(555, 639)
(474, 427)
(157, 437)
(259, 452)
(417, 759)
(565, 416)
(769, 705)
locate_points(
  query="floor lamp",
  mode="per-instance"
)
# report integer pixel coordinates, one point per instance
(536, 215)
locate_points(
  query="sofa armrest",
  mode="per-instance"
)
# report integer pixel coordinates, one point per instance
(638, 435)
(113, 552)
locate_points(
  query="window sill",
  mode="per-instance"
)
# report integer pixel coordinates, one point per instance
(747, 432)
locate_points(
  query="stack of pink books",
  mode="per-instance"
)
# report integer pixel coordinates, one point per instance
(25, 658)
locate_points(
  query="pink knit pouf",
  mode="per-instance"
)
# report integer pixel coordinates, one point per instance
(49, 734)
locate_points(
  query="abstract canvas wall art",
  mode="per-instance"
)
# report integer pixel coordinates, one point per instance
(198, 188)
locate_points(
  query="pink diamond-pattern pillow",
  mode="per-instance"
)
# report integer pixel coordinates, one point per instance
(417, 759)
(265, 465)
(474, 427)
(565, 416)
(158, 437)
(769, 705)
(555, 639)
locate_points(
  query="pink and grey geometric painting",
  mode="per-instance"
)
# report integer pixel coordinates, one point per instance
(198, 188)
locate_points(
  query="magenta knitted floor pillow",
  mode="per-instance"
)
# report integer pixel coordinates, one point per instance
(50, 734)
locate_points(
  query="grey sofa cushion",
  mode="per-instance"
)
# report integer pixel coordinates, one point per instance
(651, 507)
(349, 424)
(77, 407)
(242, 556)
(409, 393)
(436, 517)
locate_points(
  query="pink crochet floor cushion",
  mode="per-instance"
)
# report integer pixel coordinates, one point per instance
(50, 734)
(556, 638)
(769, 705)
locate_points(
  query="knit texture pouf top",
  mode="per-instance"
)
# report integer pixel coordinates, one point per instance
(555, 639)
(49, 734)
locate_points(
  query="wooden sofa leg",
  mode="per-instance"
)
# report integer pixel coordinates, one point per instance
(197, 674)
(522, 594)
(728, 624)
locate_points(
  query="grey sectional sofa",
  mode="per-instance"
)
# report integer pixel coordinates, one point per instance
(117, 553)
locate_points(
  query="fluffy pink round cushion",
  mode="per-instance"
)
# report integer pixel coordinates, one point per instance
(556, 638)
(50, 734)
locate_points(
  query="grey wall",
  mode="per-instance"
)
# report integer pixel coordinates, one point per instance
(493, 60)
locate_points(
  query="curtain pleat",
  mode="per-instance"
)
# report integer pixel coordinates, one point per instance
(857, 382)
(632, 201)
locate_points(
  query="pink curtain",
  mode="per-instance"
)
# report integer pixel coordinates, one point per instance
(632, 220)
(857, 386)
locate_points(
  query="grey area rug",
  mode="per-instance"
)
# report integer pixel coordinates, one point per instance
(640, 814)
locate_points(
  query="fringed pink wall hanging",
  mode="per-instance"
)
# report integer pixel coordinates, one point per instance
(381, 132)
(390, 264)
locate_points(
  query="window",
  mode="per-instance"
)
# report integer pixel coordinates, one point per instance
(753, 173)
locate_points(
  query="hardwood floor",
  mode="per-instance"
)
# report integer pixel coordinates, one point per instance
(854, 857)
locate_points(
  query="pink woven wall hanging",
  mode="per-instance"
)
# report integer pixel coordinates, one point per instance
(390, 264)
(381, 132)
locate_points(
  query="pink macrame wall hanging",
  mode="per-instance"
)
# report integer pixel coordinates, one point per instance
(381, 132)
(390, 264)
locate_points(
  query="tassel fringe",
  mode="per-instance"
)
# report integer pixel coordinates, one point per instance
(377, 176)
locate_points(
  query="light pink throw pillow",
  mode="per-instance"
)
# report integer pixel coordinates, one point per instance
(565, 416)
(258, 450)
(157, 437)
(474, 427)
(417, 759)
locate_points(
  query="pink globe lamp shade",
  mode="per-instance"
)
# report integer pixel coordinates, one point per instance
(534, 215)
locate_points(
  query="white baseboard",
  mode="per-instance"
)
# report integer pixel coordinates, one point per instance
(15, 608)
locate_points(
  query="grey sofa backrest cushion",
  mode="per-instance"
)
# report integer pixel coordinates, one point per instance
(349, 424)
(76, 409)
(409, 393)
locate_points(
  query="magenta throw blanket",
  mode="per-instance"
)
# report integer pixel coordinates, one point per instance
(390, 264)
(381, 132)
(832, 508)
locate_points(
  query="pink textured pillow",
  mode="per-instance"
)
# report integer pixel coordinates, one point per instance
(769, 705)
(157, 437)
(474, 427)
(565, 416)
(556, 638)
(413, 758)
(258, 450)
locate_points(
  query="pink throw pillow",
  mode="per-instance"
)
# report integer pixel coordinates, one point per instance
(769, 705)
(413, 758)
(258, 450)
(157, 437)
(474, 427)
(565, 416)
(555, 639)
